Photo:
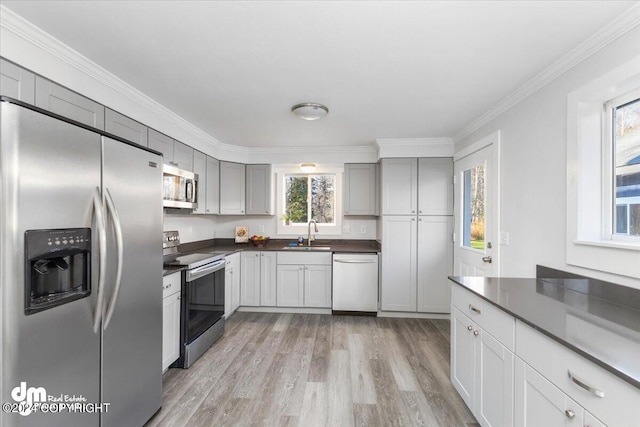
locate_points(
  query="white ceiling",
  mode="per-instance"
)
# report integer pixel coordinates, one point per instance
(385, 69)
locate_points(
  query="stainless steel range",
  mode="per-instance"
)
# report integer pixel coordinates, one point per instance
(202, 302)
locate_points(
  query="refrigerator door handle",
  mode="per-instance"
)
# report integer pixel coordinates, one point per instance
(111, 208)
(98, 211)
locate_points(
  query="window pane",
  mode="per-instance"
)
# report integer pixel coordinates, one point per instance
(626, 140)
(322, 199)
(296, 190)
(473, 208)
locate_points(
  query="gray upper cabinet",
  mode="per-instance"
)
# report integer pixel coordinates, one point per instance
(182, 156)
(175, 152)
(361, 189)
(232, 188)
(213, 186)
(400, 186)
(60, 100)
(259, 200)
(162, 143)
(124, 127)
(200, 169)
(16, 82)
(435, 186)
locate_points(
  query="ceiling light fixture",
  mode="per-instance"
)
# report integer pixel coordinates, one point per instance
(309, 111)
(308, 167)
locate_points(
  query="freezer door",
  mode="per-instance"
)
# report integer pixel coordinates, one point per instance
(132, 341)
(50, 171)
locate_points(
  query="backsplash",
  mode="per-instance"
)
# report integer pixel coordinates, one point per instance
(202, 227)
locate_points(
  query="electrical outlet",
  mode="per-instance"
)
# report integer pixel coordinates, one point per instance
(346, 229)
(261, 229)
(363, 229)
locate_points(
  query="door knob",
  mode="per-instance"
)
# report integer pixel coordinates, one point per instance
(487, 259)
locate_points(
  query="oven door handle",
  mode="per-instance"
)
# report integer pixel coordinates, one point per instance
(199, 272)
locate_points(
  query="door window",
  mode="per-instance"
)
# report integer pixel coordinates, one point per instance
(473, 223)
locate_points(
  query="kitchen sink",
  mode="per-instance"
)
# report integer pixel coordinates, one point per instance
(307, 248)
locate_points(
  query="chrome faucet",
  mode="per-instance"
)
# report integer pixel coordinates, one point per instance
(315, 226)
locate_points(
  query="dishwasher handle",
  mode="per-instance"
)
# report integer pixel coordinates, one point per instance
(356, 261)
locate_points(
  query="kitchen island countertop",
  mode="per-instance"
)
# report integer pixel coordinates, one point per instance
(573, 311)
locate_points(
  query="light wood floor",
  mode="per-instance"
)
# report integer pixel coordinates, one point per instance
(318, 370)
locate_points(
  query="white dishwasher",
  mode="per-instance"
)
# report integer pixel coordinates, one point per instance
(355, 283)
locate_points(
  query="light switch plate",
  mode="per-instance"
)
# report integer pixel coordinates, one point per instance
(261, 229)
(346, 229)
(504, 238)
(363, 229)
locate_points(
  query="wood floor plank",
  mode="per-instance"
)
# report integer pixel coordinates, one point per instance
(340, 400)
(315, 406)
(397, 354)
(366, 415)
(273, 369)
(362, 386)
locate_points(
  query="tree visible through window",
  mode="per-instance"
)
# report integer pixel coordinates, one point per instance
(310, 197)
(626, 146)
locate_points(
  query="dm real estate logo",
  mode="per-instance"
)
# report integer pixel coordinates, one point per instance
(35, 399)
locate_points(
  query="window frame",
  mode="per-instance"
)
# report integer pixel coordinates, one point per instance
(609, 172)
(295, 230)
(590, 242)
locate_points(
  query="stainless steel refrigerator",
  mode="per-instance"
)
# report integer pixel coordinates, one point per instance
(81, 274)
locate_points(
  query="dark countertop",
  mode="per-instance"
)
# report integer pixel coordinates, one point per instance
(598, 321)
(230, 247)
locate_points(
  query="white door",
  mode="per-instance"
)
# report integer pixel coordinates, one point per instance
(477, 205)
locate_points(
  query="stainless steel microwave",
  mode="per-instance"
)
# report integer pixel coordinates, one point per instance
(179, 188)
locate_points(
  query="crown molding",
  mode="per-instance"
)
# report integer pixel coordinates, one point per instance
(412, 142)
(615, 29)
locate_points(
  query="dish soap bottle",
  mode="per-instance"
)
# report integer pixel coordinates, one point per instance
(300, 240)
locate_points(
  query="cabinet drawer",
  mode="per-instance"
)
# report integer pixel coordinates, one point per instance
(305, 258)
(171, 284)
(620, 401)
(490, 318)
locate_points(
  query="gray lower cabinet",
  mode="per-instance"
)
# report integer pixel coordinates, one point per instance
(200, 169)
(232, 188)
(259, 191)
(124, 127)
(399, 263)
(290, 284)
(212, 205)
(60, 100)
(435, 263)
(17, 83)
(258, 279)
(361, 189)
(304, 280)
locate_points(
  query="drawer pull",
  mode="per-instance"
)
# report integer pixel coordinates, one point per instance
(472, 308)
(585, 386)
(469, 328)
(476, 333)
(570, 414)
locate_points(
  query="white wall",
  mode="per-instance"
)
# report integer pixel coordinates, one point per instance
(533, 167)
(191, 227)
(225, 227)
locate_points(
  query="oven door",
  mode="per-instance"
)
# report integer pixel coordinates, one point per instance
(204, 299)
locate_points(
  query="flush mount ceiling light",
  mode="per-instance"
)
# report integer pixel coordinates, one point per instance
(310, 111)
(308, 167)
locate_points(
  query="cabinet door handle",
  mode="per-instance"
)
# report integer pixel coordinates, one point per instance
(570, 414)
(469, 327)
(472, 308)
(476, 333)
(584, 385)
